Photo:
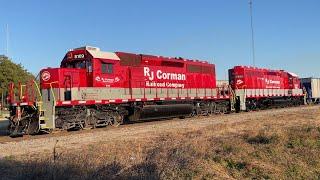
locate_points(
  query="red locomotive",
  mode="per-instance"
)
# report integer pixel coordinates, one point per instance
(93, 88)
(263, 88)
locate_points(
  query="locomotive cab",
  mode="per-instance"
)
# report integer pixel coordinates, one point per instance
(81, 67)
(80, 59)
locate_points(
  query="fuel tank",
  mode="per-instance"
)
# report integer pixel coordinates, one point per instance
(163, 111)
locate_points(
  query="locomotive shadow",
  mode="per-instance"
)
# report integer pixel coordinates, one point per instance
(12, 169)
(70, 167)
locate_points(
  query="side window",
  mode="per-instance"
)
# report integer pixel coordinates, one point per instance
(89, 67)
(106, 68)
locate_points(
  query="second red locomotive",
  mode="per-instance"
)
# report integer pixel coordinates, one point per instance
(262, 88)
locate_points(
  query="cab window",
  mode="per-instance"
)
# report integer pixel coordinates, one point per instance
(81, 65)
(76, 64)
(106, 68)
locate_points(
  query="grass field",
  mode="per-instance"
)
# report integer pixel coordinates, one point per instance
(282, 145)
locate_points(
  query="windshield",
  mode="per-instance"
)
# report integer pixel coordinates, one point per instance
(79, 64)
(76, 64)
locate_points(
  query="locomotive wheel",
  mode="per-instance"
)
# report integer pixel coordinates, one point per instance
(213, 108)
(15, 130)
(94, 123)
(116, 120)
(12, 128)
(193, 113)
(33, 127)
(65, 126)
(206, 113)
(224, 110)
(87, 122)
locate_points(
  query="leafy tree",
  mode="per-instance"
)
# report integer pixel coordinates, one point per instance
(12, 72)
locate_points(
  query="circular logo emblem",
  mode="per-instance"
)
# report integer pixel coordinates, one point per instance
(45, 76)
(239, 82)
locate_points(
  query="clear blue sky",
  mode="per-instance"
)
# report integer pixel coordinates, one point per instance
(287, 32)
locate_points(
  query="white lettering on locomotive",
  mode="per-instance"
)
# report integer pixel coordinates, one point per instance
(79, 56)
(164, 84)
(171, 76)
(239, 82)
(107, 80)
(147, 73)
(269, 81)
(163, 75)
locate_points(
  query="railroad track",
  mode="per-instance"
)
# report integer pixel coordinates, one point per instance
(5, 138)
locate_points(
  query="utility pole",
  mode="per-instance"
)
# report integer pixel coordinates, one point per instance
(252, 35)
(2, 103)
(7, 40)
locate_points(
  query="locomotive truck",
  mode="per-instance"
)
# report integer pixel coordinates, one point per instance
(93, 88)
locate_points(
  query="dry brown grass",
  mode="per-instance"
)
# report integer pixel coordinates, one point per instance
(291, 153)
(267, 149)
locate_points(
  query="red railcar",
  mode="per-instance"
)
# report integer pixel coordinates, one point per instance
(261, 86)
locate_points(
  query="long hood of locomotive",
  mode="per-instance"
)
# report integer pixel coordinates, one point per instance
(255, 78)
(127, 77)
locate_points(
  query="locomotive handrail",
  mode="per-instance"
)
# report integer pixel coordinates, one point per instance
(25, 92)
(51, 90)
(38, 89)
(21, 97)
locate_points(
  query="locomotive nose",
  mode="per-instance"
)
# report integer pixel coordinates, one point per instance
(47, 77)
(50, 78)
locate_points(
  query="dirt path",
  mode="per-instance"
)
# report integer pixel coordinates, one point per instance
(224, 124)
